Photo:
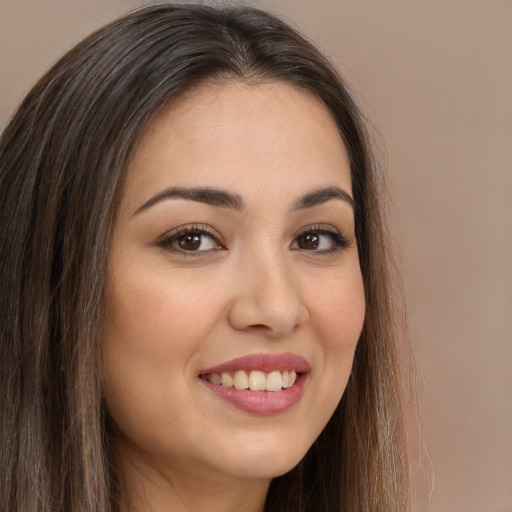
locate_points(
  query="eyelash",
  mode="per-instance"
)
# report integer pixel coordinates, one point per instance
(175, 234)
(338, 240)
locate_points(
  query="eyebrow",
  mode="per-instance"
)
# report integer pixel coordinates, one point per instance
(208, 195)
(224, 199)
(321, 196)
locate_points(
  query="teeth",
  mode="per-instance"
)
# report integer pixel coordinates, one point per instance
(216, 379)
(274, 381)
(241, 380)
(255, 380)
(227, 380)
(285, 377)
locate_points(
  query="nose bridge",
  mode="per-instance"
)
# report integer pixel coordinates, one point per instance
(268, 296)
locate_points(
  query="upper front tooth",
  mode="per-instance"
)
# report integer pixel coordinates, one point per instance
(257, 381)
(274, 381)
(285, 377)
(292, 376)
(241, 380)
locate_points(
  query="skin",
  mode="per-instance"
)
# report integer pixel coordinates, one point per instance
(253, 287)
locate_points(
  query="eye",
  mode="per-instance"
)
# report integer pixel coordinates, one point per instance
(191, 239)
(320, 240)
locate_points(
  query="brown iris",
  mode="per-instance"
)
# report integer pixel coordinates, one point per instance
(308, 240)
(190, 242)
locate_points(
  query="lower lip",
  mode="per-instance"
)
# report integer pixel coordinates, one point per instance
(264, 403)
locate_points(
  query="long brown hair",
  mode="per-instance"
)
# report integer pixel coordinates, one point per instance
(63, 158)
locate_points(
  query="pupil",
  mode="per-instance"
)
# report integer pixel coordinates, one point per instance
(190, 242)
(309, 241)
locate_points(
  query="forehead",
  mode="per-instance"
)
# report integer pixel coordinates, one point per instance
(249, 138)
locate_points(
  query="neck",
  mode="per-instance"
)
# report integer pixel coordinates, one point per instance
(147, 487)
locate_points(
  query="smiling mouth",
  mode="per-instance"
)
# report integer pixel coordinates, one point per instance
(261, 384)
(254, 380)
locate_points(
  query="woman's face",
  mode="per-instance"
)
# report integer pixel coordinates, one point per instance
(233, 260)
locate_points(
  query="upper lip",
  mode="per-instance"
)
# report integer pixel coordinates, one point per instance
(261, 362)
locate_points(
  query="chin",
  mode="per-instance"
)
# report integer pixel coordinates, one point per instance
(268, 461)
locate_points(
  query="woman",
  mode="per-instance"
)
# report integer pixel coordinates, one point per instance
(194, 276)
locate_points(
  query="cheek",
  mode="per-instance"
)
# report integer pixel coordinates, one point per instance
(339, 309)
(338, 318)
(154, 315)
(153, 332)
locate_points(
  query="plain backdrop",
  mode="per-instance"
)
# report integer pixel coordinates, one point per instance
(435, 76)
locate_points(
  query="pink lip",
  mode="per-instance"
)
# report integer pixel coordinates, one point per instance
(261, 402)
(264, 403)
(263, 363)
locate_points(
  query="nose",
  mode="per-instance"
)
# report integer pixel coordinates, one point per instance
(268, 299)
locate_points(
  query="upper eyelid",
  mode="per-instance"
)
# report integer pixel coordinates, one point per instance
(191, 228)
(329, 228)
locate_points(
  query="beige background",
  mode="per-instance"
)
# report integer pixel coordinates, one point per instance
(436, 78)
